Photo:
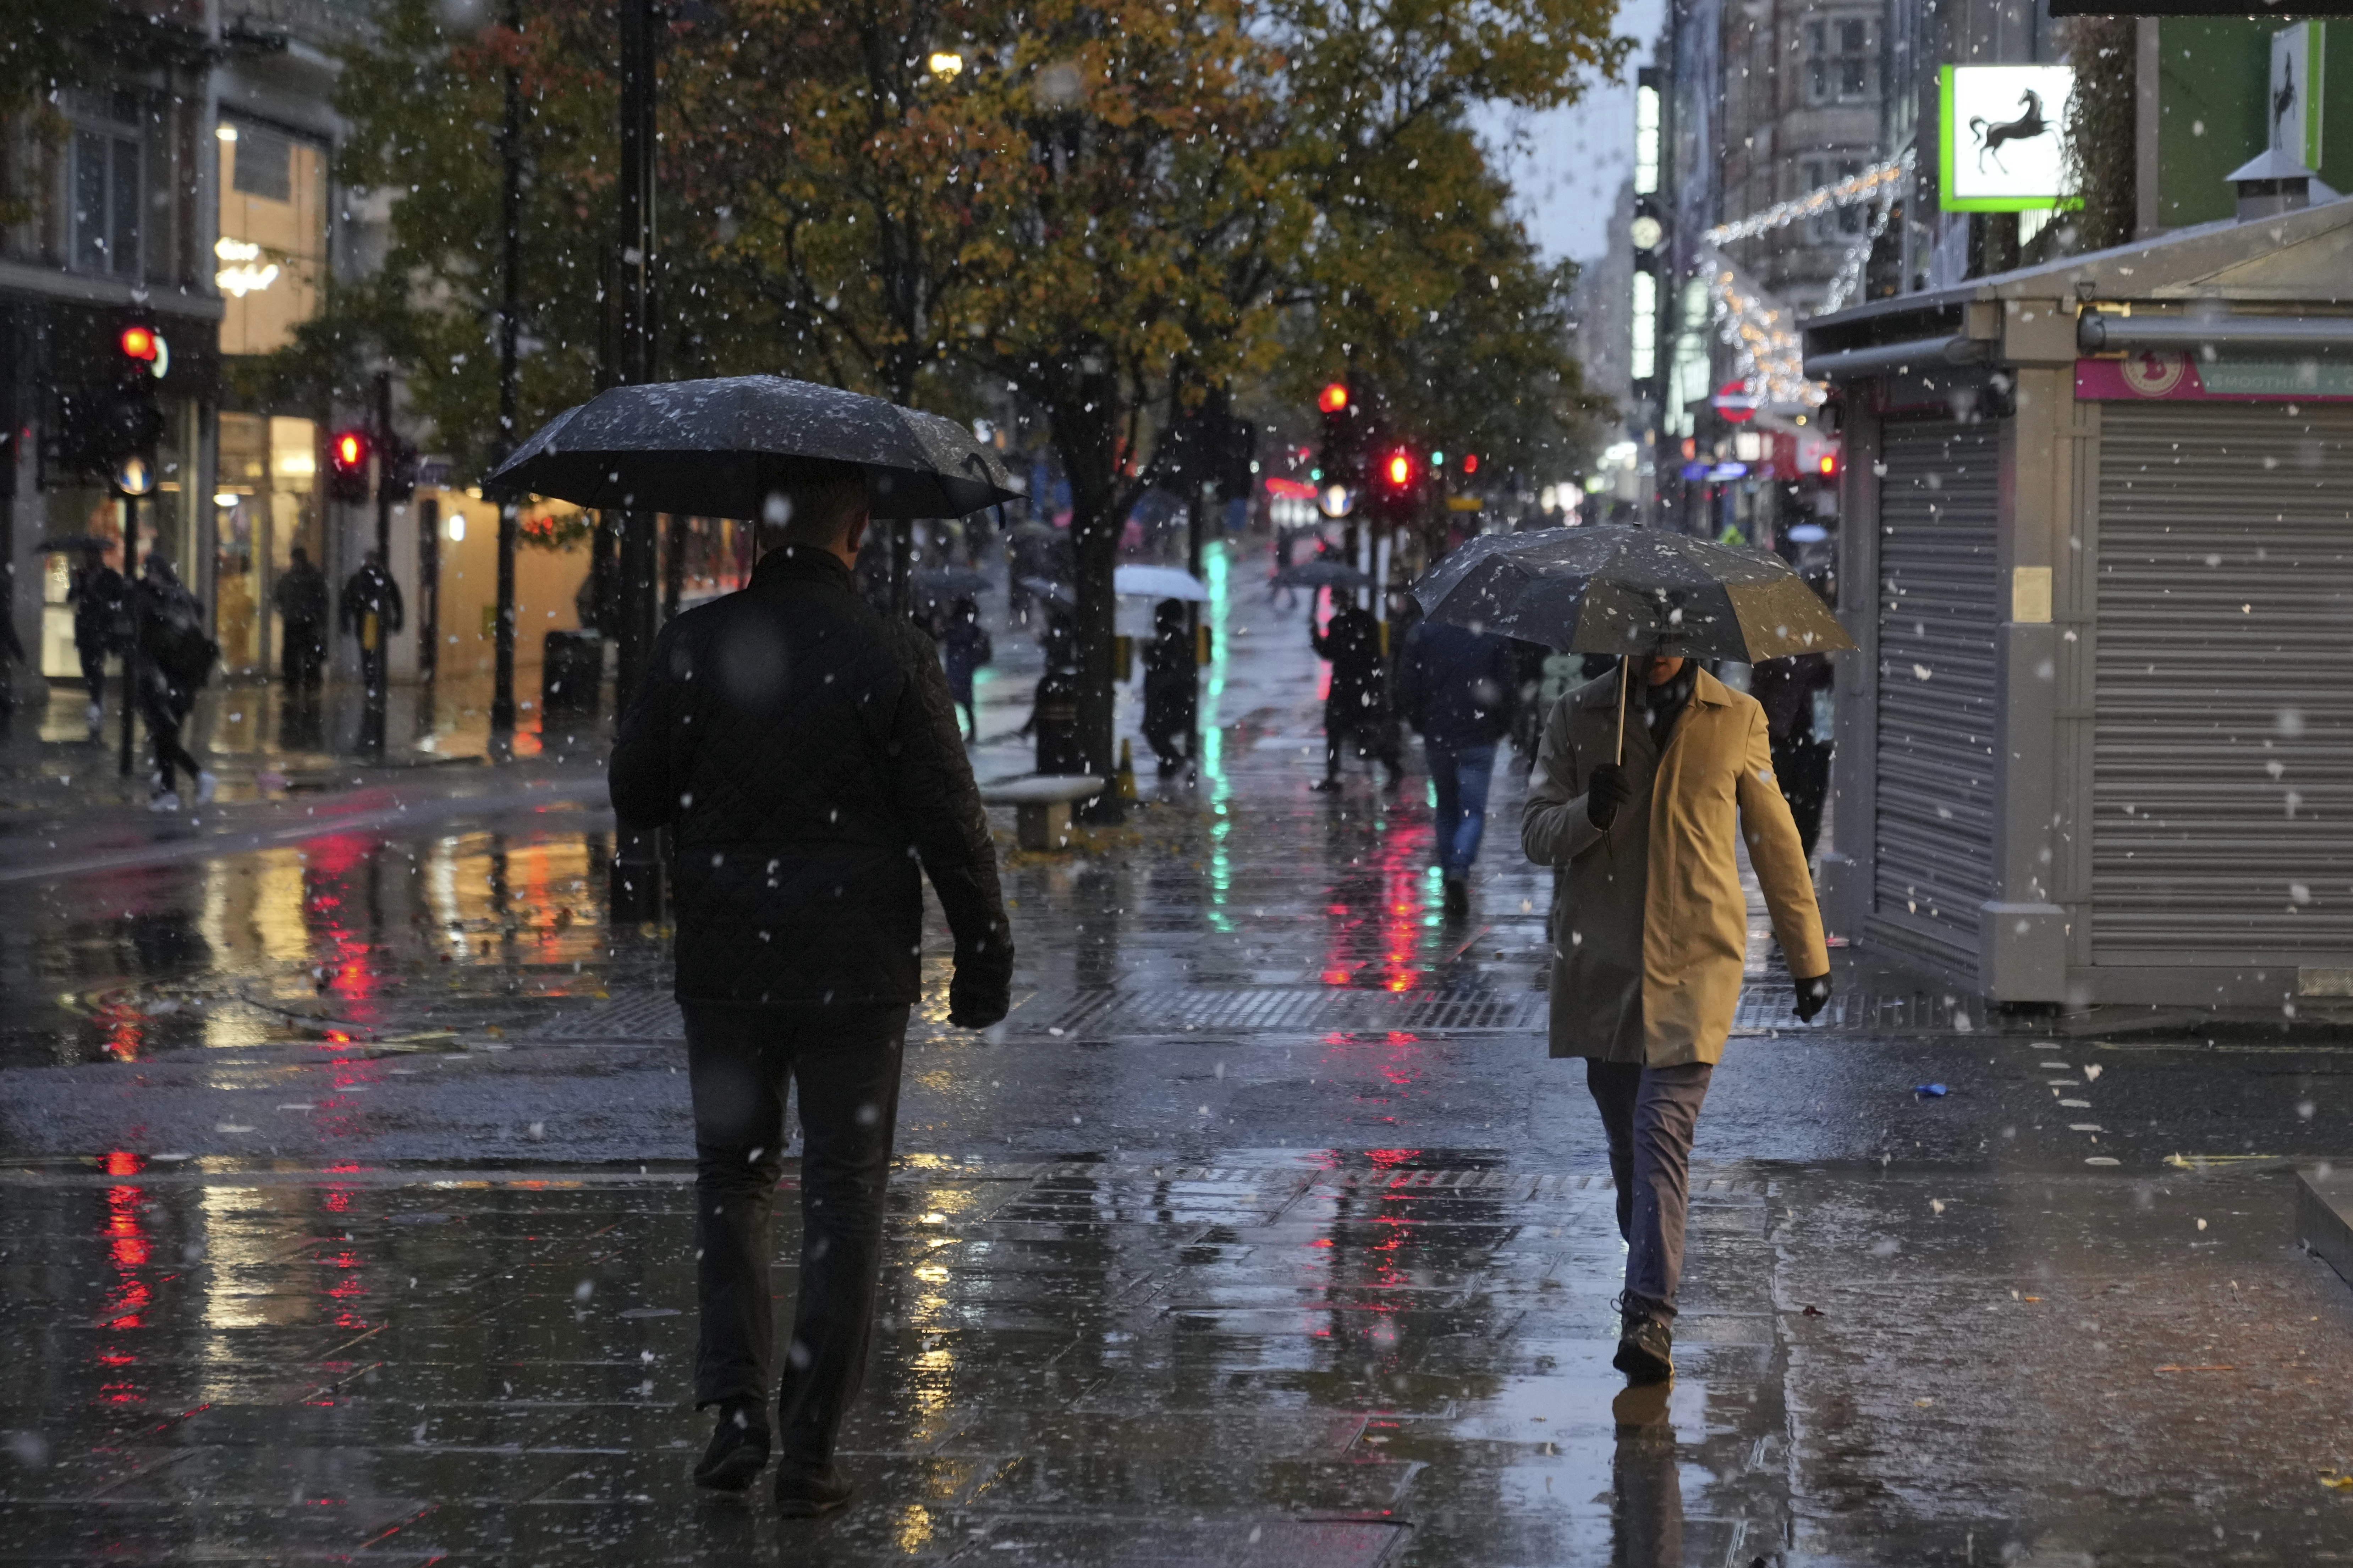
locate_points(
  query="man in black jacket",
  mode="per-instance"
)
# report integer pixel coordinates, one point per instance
(804, 751)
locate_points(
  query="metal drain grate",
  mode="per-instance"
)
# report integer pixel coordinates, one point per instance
(1175, 1010)
(649, 1015)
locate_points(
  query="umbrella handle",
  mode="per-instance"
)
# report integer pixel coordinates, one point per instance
(1621, 709)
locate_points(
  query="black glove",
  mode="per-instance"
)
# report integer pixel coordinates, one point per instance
(1813, 995)
(1605, 791)
(978, 1003)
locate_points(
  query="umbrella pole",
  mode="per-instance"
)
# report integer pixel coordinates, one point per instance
(1621, 709)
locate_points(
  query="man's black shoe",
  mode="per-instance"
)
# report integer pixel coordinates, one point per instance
(1646, 1351)
(738, 1448)
(1458, 897)
(806, 1490)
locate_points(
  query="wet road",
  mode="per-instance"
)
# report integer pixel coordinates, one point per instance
(344, 1161)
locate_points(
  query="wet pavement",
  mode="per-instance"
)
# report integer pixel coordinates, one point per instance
(346, 1173)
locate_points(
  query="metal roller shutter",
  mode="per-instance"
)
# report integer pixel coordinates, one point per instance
(2222, 784)
(1938, 611)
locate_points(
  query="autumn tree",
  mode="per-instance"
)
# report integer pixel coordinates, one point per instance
(1424, 284)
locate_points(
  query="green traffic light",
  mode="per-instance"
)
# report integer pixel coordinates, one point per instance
(1438, 460)
(1316, 475)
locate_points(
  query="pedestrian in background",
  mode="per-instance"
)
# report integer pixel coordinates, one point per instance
(372, 612)
(1356, 711)
(95, 590)
(1651, 931)
(1459, 689)
(1801, 760)
(802, 749)
(176, 659)
(300, 597)
(964, 649)
(1170, 682)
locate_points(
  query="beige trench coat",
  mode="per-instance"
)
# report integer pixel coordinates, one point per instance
(1650, 927)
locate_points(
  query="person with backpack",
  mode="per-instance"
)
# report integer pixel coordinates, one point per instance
(371, 612)
(1171, 686)
(176, 659)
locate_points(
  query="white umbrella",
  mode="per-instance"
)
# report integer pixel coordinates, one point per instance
(1158, 582)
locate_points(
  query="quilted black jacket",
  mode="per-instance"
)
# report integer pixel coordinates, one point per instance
(803, 750)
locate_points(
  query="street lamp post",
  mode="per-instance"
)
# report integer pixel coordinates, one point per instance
(638, 892)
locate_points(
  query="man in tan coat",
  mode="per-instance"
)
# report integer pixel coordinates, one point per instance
(1650, 932)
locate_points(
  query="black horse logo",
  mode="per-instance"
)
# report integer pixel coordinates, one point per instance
(2025, 128)
(2284, 101)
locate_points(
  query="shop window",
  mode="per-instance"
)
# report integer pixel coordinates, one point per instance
(272, 254)
(106, 203)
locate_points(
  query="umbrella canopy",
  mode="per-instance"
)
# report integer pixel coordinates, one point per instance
(1607, 589)
(721, 447)
(950, 582)
(73, 541)
(1047, 588)
(1322, 574)
(1158, 582)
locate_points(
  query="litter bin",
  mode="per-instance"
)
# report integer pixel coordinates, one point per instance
(569, 678)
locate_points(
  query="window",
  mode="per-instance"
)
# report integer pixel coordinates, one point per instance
(1838, 59)
(272, 254)
(1837, 223)
(106, 203)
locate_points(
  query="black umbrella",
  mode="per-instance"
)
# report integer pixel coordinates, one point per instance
(950, 582)
(72, 542)
(721, 447)
(1605, 589)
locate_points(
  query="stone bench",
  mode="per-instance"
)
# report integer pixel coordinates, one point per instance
(1041, 806)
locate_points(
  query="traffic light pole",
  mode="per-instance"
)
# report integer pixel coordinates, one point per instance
(638, 892)
(130, 646)
(503, 698)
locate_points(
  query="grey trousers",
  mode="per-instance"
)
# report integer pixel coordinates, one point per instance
(1649, 1115)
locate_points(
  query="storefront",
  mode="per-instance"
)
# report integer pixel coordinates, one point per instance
(2092, 748)
(269, 265)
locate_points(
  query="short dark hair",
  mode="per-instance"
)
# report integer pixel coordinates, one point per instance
(821, 499)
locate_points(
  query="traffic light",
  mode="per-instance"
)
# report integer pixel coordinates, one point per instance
(1340, 458)
(131, 423)
(1397, 470)
(347, 465)
(1469, 462)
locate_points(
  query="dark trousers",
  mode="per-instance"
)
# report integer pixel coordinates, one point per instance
(93, 671)
(300, 655)
(1460, 777)
(1648, 1115)
(846, 1063)
(165, 715)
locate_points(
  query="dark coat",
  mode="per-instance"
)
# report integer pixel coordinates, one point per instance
(1353, 643)
(371, 590)
(301, 595)
(1456, 686)
(803, 750)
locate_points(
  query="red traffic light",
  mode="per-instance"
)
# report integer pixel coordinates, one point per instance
(1334, 398)
(1469, 462)
(137, 342)
(1398, 468)
(1829, 465)
(348, 451)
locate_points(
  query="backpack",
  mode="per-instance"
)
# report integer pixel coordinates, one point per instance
(176, 639)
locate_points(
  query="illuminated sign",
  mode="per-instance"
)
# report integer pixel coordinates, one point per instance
(2004, 129)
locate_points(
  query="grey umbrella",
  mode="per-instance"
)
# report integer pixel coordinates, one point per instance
(721, 447)
(1606, 589)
